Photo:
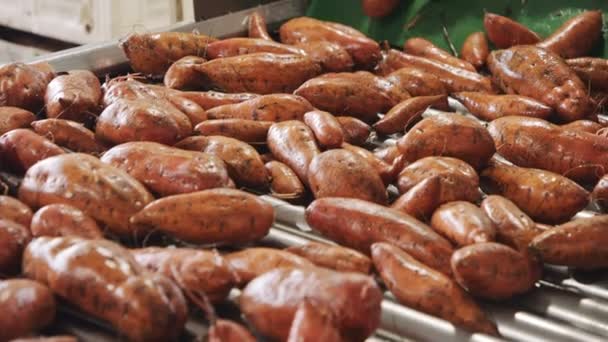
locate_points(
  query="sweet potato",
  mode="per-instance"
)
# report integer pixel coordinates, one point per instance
(403, 114)
(293, 143)
(69, 134)
(600, 193)
(542, 75)
(142, 120)
(475, 49)
(360, 94)
(358, 224)
(64, 220)
(326, 128)
(47, 70)
(211, 216)
(312, 323)
(504, 32)
(153, 53)
(386, 171)
(423, 288)
(194, 271)
(490, 107)
(12, 118)
(592, 71)
(355, 131)
(227, 331)
(251, 263)
(379, 8)
(536, 143)
(212, 99)
(73, 96)
(256, 26)
(243, 162)
(364, 51)
(424, 48)
(451, 135)
(491, 270)
(23, 86)
(275, 107)
(105, 193)
(284, 183)
(333, 257)
(21, 148)
(417, 82)
(249, 131)
(26, 306)
(109, 285)
(580, 243)
(246, 73)
(341, 173)
(463, 223)
(15, 210)
(545, 196)
(575, 37)
(388, 154)
(13, 239)
(231, 47)
(331, 56)
(435, 166)
(271, 300)
(513, 226)
(584, 126)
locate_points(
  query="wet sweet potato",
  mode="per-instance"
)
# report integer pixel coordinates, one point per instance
(256, 26)
(293, 143)
(385, 170)
(243, 162)
(326, 128)
(451, 135)
(15, 210)
(355, 131)
(105, 193)
(424, 48)
(46, 69)
(284, 183)
(435, 166)
(12, 118)
(379, 8)
(389, 154)
(13, 239)
(331, 56)
(364, 51)
(490, 107)
(64, 220)
(21, 148)
(109, 285)
(580, 243)
(195, 271)
(231, 47)
(312, 323)
(542, 75)
(584, 126)
(69, 134)
(224, 330)
(600, 193)
(545, 196)
(575, 37)
(26, 306)
(142, 120)
(475, 49)
(249, 131)
(493, 271)
(341, 173)
(73, 96)
(153, 53)
(417, 82)
(358, 224)
(403, 114)
(275, 107)
(212, 99)
(592, 71)
(251, 263)
(211, 216)
(246, 73)
(423, 288)
(504, 32)
(463, 223)
(333, 257)
(23, 86)
(271, 300)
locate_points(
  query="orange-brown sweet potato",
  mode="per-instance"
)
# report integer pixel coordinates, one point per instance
(23, 86)
(15, 210)
(12, 118)
(326, 128)
(463, 223)
(429, 167)
(408, 111)
(242, 46)
(64, 220)
(251, 263)
(490, 107)
(284, 182)
(13, 239)
(73, 96)
(249, 131)
(275, 107)
(592, 71)
(417, 82)
(224, 330)
(424, 48)
(333, 257)
(355, 131)
(331, 56)
(256, 26)
(504, 32)
(583, 126)
(69, 134)
(475, 49)
(575, 37)
(312, 323)
(385, 170)
(21, 148)
(379, 8)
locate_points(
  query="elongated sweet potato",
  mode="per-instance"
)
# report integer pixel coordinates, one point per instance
(212, 99)
(107, 194)
(424, 48)
(218, 216)
(355, 131)
(463, 223)
(542, 75)
(69, 134)
(475, 49)
(580, 243)
(271, 300)
(417, 82)
(195, 271)
(153, 53)
(575, 37)
(224, 330)
(12, 118)
(23, 86)
(358, 224)
(326, 128)
(64, 220)
(246, 73)
(13, 239)
(284, 183)
(26, 306)
(435, 166)
(21, 148)
(15, 210)
(451, 135)
(490, 107)
(242, 46)
(493, 271)
(110, 286)
(423, 288)
(504, 32)
(275, 107)
(256, 26)
(403, 114)
(588, 126)
(331, 56)
(312, 323)
(249, 131)
(243, 162)
(545, 196)
(386, 171)
(592, 71)
(73, 96)
(251, 263)
(333, 257)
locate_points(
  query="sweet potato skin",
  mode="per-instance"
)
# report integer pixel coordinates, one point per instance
(249, 131)
(211, 99)
(274, 107)
(226, 331)
(386, 171)
(575, 37)
(434, 166)
(23, 86)
(417, 82)
(74, 96)
(592, 71)
(505, 33)
(355, 131)
(463, 223)
(12, 118)
(325, 127)
(13, 239)
(251, 263)
(408, 111)
(475, 49)
(313, 323)
(21, 148)
(64, 220)
(600, 193)
(424, 48)
(490, 107)
(256, 26)
(379, 8)
(333, 257)
(231, 47)
(69, 134)
(284, 182)
(588, 126)
(15, 210)
(331, 56)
